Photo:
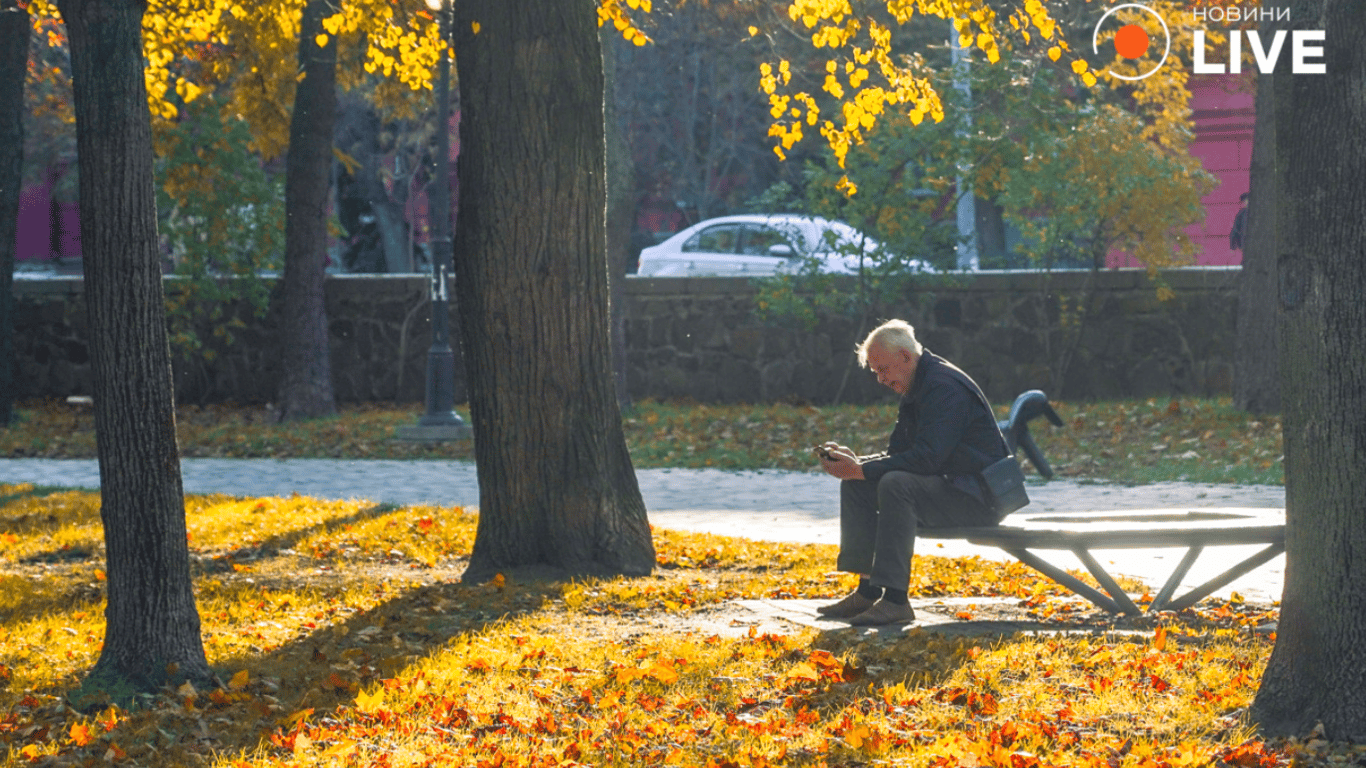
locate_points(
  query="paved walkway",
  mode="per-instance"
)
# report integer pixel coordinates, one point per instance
(770, 505)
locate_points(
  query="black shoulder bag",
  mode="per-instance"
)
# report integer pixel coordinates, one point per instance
(1003, 481)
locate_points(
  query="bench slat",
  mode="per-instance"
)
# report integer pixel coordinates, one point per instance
(1039, 538)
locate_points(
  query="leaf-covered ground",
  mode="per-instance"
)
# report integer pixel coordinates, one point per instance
(1140, 441)
(341, 636)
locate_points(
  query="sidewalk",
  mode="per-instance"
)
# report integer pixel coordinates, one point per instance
(800, 507)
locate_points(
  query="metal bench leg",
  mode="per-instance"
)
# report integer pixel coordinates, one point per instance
(1174, 580)
(1107, 582)
(1199, 593)
(1064, 578)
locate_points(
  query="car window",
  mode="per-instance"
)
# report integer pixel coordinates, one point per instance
(722, 238)
(756, 239)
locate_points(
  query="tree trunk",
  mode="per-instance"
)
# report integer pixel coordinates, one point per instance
(306, 375)
(1257, 381)
(1317, 672)
(556, 485)
(621, 211)
(152, 634)
(14, 33)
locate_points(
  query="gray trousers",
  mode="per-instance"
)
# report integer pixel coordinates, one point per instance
(878, 522)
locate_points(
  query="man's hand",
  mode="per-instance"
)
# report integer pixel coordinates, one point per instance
(839, 461)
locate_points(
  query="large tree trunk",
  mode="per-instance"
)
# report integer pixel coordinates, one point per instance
(1317, 672)
(621, 211)
(1257, 379)
(556, 486)
(152, 633)
(14, 33)
(306, 375)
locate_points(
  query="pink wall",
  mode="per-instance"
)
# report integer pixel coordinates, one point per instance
(1223, 112)
(37, 216)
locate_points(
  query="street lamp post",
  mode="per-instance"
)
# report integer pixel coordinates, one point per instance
(440, 422)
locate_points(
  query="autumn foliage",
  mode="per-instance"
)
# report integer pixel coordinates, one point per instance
(341, 636)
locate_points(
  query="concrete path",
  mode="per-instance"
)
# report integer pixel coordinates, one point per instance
(769, 505)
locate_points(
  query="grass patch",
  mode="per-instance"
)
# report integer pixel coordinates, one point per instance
(341, 637)
(1131, 441)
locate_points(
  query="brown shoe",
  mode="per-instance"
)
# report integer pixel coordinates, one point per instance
(850, 606)
(883, 613)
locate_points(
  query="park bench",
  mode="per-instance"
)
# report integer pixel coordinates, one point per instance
(1080, 534)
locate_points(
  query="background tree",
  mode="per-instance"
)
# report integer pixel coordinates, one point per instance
(306, 362)
(14, 34)
(221, 223)
(1042, 154)
(696, 123)
(1317, 671)
(383, 161)
(1257, 376)
(152, 632)
(556, 486)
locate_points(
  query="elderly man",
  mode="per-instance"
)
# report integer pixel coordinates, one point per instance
(945, 435)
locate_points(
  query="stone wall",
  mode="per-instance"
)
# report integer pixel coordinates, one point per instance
(700, 338)
(1012, 331)
(380, 333)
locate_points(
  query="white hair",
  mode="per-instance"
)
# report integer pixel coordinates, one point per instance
(891, 336)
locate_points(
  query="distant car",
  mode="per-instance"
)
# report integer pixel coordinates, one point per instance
(754, 245)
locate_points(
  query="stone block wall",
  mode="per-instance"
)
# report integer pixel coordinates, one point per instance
(380, 333)
(701, 338)
(1076, 335)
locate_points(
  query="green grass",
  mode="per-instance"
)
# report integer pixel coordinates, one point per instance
(1127, 441)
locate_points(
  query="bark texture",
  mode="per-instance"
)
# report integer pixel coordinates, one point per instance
(556, 483)
(14, 34)
(152, 633)
(1257, 379)
(1317, 672)
(306, 376)
(621, 210)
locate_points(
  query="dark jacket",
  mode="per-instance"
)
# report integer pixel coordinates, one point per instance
(943, 427)
(1235, 235)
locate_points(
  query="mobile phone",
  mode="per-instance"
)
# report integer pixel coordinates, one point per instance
(825, 453)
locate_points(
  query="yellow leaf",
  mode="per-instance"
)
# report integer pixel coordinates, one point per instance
(1054, 53)
(804, 671)
(370, 702)
(1160, 639)
(753, 31)
(664, 673)
(302, 744)
(239, 680)
(80, 734)
(474, 25)
(321, 40)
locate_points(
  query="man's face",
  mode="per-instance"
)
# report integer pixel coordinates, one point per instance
(895, 368)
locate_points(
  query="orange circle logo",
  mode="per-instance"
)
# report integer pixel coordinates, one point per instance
(1132, 41)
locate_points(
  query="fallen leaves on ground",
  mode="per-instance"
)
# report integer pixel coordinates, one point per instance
(341, 636)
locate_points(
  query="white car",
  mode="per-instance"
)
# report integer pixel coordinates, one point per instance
(754, 245)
